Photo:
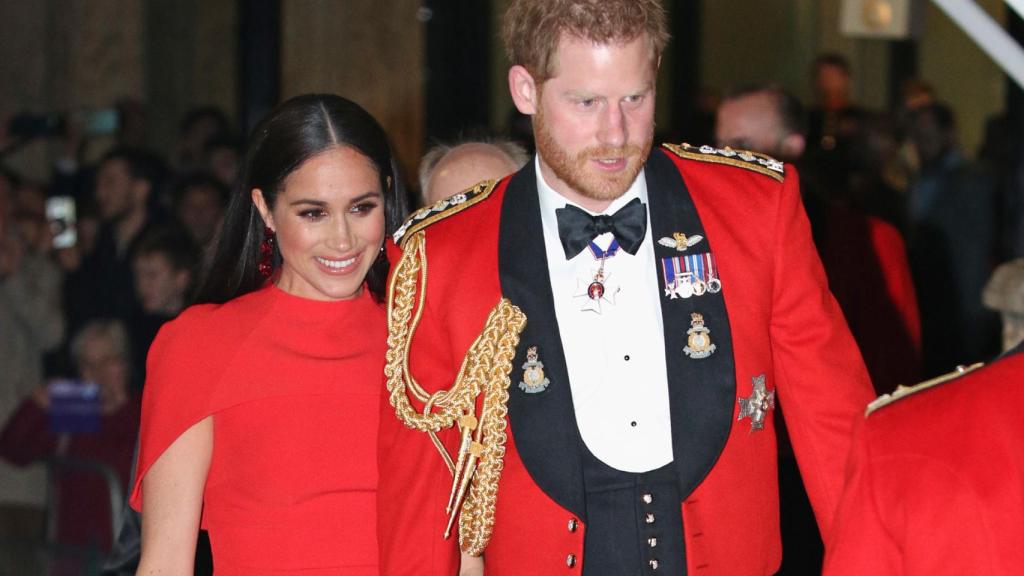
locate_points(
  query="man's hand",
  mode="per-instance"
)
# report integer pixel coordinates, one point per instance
(471, 565)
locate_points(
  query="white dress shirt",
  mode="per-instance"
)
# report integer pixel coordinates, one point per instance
(615, 357)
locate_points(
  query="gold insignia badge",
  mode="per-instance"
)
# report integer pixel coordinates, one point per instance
(698, 341)
(680, 241)
(533, 380)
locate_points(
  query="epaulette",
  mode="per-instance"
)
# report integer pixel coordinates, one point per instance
(442, 209)
(904, 391)
(759, 163)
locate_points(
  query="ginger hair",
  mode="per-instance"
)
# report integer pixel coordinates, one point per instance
(533, 28)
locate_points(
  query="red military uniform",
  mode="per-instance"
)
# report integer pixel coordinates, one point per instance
(775, 326)
(936, 482)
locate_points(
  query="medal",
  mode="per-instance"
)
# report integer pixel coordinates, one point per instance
(533, 380)
(598, 290)
(714, 284)
(757, 405)
(698, 340)
(690, 275)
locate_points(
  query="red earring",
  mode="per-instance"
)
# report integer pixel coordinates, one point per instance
(266, 265)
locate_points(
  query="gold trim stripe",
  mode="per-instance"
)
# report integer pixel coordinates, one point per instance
(715, 156)
(442, 209)
(904, 391)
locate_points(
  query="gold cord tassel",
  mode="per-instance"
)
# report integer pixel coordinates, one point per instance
(485, 371)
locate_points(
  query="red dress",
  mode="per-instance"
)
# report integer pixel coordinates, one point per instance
(294, 387)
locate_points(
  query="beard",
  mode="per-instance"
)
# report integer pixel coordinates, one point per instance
(575, 169)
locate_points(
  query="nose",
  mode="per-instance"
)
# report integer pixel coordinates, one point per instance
(341, 235)
(613, 127)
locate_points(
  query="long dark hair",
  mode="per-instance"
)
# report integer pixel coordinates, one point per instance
(291, 134)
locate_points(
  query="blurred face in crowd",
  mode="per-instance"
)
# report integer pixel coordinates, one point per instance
(329, 224)
(201, 212)
(832, 85)
(222, 163)
(159, 286)
(464, 166)
(929, 139)
(117, 191)
(101, 362)
(752, 122)
(593, 118)
(30, 214)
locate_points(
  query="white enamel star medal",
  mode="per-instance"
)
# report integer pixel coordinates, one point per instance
(598, 290)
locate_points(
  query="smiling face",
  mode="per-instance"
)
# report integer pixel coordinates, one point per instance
(329, 224)
(593, 118)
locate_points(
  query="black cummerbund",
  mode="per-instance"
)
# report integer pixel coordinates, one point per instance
(634, 523)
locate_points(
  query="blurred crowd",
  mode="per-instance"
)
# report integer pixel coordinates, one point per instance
(910, 227)
(92, 263)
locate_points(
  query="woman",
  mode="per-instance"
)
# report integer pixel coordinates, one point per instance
(261, 403)
(86, 439)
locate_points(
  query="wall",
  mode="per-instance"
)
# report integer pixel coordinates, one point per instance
(366, 50)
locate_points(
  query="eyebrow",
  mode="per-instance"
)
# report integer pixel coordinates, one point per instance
(360, 198)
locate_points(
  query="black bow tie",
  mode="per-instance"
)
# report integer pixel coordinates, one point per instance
(576, 228)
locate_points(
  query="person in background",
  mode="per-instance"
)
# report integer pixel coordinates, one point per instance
(164, 265)
(1004, 293)
(281, 359)
(952, 244)
(447, 169)
(865, 257)
(31, 323)
(198, 127)
(102, 357)
(936, 479)
(199, 204)
(127, 181)
(221, 159)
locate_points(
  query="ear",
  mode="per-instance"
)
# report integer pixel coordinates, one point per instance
(264, 210)
(523, 89)
(793, 146)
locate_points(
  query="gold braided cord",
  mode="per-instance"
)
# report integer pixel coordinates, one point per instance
(484, 371)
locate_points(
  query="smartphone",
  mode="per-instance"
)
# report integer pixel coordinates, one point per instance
(100, 121)
(74, 406)
(60, 213)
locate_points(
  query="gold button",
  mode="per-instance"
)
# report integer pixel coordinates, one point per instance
(652, 542)
(573, 524)
(570, 560)
(647, 498)
(649, 518)
(654, 564)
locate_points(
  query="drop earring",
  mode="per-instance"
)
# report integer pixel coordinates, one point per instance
(266, 265)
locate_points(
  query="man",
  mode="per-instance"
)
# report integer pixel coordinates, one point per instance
(126, 184)
(636, 356)
(864, 257)
(936, 484)
(445, 170)
(952, 238)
